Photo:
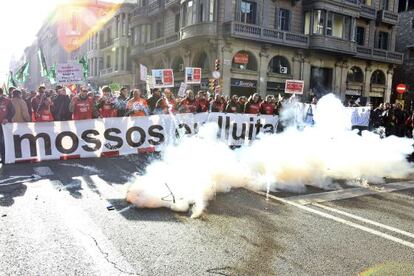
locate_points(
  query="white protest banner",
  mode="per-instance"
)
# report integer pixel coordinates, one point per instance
(360, 115)
(294, 86)
(181, 91)
(192, 75)
(150, 83)
(34, 142)
(143, 72)
(69, 73)
(163, 78)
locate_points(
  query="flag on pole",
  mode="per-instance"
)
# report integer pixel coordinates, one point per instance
(85, 65)
(51, 74)
(43, 66)
(22, 73)
(10, 81)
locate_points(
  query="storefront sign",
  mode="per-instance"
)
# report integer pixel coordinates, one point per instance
(243, 83)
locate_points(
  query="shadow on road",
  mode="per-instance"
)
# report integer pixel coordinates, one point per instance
(7, 194)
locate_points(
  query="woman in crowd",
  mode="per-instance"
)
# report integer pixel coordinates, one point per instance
(21, 114)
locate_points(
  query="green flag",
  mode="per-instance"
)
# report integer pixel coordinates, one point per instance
(11, 82)
(51, 75)
(42, 61)
(85, 65)
(23, 72)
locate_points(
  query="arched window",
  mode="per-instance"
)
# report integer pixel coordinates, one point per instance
(279, 65)
(355, 75)
(378, 77)
(178, 64)
(201, 60)
(244, 60)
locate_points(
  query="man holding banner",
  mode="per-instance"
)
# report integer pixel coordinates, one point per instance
(6, 115)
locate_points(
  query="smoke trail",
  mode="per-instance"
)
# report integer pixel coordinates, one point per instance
(193, 171)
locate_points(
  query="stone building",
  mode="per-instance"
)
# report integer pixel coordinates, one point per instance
(108, 51)
(341, 46)
(405, 44)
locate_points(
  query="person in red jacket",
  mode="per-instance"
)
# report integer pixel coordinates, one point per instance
(166, 103)
(106, 104)
(188, 104)
(82, 106)
(6, 115)
(253, 105)
(45, 109)
(218, 104)
(267, 107)
(202, 102)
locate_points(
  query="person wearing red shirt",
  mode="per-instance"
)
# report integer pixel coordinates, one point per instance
(267, 107)
(253, 105)
(106, 104)
(6, 115)
(217, 105)
(202, 102)
(82, 106)
(42, 106)
(166, 103)
(188, 104)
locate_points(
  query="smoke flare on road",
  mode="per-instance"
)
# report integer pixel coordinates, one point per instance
(191, 172)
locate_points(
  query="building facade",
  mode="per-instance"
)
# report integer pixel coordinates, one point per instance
(405, 44)
(340, 46)
(108, 51)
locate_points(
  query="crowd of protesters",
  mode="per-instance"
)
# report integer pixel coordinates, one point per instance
(58, 105)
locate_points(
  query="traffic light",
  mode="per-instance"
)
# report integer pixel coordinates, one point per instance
(211, 84)
(217, 65)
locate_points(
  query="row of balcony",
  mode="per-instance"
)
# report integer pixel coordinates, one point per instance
(271, 36)
(314, 41)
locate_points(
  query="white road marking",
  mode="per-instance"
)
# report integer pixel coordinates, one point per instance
(389, 228)
(343, 221)
(19, 179)
(350, 193)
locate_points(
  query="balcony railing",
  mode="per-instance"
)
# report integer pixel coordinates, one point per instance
(380, 55)
(140, 11)
(171, 3)
(155, 6)
(161, 42)
(107, 43)
(388, 17)
(368, 12)
(200, 29)
(331, 43)
(106, 71)
(259, 33)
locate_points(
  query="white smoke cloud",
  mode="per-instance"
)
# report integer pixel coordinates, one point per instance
(193, 171)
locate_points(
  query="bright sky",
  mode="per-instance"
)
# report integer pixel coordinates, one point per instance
(20, 20)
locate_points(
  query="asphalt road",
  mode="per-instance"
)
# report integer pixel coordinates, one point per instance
(60, 225)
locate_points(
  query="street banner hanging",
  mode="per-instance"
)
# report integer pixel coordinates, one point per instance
(294, 86)
(34, 142)
(143, 72)
(69, 73)
(163, 78)
(192, 75)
